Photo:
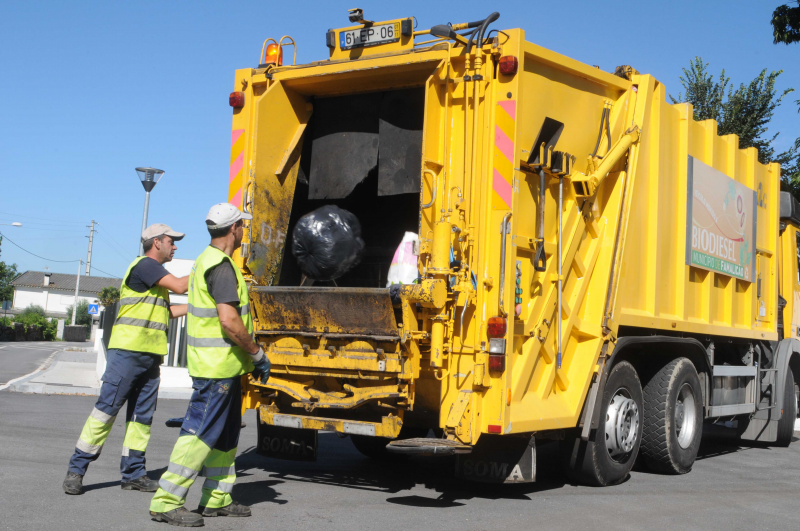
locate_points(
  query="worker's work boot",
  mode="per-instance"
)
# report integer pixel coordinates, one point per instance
(234, 509)
(144, 484)
(73, 483)
(180, 517)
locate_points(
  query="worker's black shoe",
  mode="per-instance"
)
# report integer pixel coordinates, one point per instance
(73, 483)
(180, 517)
(144, 484)
(234, 509)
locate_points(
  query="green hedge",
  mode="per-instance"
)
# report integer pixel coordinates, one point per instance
(35, 316)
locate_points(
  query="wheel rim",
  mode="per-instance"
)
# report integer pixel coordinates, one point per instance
(685, 418)
(622, 425)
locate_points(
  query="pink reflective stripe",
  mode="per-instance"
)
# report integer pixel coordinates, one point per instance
(503, 143)
(235, 135)
(510, 106)
(236, 167)
(502, 187)
(236, 200)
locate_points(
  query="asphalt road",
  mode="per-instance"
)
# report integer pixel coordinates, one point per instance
(731, 487)
(19, 359)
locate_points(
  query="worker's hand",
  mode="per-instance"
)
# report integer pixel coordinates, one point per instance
(261, 368)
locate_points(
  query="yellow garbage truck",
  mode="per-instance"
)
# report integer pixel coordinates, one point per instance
(595, 267)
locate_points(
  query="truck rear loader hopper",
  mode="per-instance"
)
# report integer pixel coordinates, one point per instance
(594, 265)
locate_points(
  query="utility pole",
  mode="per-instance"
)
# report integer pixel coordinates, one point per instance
(89, 255)
(77, 289)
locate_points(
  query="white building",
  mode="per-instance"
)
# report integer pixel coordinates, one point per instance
(55, 292)
(179, 267)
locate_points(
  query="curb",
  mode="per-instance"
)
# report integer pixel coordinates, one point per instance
(22, 386)
(167, 393)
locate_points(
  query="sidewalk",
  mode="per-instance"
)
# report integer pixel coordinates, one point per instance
(73, 371)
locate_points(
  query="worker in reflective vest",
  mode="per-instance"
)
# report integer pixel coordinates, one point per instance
(219, 349)
(137, 347)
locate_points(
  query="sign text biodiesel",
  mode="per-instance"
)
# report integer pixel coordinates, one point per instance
(721, 222)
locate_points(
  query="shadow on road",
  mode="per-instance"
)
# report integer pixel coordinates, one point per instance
(341, 465)
(104, 485)
(257, 492)
(152, 474)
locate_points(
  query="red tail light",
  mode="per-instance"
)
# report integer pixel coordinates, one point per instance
(509, 65)
(496, 327)
(274, 55)
(236, 99)
(494, 428)
(497, 362)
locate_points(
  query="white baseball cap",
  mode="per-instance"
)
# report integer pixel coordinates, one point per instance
(159, 229)
(224, 215)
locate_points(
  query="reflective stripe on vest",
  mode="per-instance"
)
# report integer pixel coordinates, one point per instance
(143, 318)
(210, 353)
(205, 313)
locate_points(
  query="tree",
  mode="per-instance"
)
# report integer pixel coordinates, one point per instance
(786, 24)
(744, 111)
(790, 167)
(786, 30)
(8, 272)
(108, 296)
(82, 317)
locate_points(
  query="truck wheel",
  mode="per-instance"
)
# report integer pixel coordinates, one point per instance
(375, 447)
(673, 418)
(789, 415)
(608, 458)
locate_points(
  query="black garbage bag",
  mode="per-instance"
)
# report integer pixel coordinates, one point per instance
(327, 243)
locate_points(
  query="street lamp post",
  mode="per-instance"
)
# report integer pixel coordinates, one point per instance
(149, 178)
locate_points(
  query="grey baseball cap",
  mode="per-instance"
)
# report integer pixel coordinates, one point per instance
(160, 229)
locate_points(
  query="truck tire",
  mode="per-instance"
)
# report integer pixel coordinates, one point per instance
(375, 447)
(673, 418)
(789, 415)
(607, 458)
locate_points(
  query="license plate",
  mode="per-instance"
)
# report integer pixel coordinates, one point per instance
(287, 443)
(369, 36)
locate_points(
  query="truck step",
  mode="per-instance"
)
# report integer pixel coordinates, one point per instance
(425, 446)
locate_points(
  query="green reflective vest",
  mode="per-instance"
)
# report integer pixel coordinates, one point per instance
(143, 317)
(210, 353)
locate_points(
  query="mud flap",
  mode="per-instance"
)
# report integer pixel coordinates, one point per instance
(286, 443)
(498, 459)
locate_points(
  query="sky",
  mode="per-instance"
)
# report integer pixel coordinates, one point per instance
(91, 90)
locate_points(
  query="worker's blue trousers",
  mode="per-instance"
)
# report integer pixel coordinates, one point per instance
(206, 447)
(133, 377)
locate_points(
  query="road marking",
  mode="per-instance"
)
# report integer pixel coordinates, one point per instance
(45, 364)
(27, 347)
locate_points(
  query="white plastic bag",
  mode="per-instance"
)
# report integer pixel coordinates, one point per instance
(404, 264)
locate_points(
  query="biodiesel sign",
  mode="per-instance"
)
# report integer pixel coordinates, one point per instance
(721, 223)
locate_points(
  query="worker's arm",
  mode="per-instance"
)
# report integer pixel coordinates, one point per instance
(174, 284)
(178, 310)
(234, 328)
